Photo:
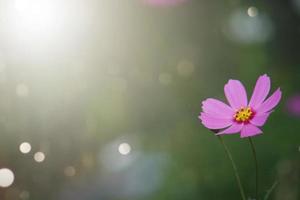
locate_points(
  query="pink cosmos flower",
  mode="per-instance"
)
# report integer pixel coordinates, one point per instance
(240, 116)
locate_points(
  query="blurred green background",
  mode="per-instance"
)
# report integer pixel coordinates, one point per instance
(99, 99)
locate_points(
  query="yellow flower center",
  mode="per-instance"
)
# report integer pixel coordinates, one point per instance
(243, 115)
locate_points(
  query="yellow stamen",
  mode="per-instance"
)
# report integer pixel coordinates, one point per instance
(243, 115)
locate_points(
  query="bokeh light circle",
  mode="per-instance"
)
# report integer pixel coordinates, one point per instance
(39, 157)
(248, 30)
(25, 147)
(70, 171)
(165, 78)
(24, 195)
(252, 11)
(185, 68)
(7, 177)
(124, 148)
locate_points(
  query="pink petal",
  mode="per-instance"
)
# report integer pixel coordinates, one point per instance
(217, 108)
(250, 130)
(236, 94)
(270, 103)
(260, 92)
(259, 119)
(214, 123)
(234, 128)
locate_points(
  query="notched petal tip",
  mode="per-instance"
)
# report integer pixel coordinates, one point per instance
(265, 78)
(230, 80)
(204, 102)
(200, 116)
(279, 90)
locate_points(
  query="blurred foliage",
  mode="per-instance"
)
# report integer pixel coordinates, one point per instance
(127, 71)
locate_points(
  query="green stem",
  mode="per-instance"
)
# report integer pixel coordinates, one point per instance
(271, 190)
(238, 180)
(256, 167)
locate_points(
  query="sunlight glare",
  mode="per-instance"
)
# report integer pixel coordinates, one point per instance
(36, 18)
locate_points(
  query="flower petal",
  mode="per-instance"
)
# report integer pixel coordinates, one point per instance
(214, 123)
(234, 128)
(217, 108)
(260, 91)
(259, 119)
(270, 103)
(236, 94)
(250, 130)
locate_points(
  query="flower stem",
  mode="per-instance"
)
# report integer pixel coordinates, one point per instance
(269, 192)
(256, 167)
(238, 180)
